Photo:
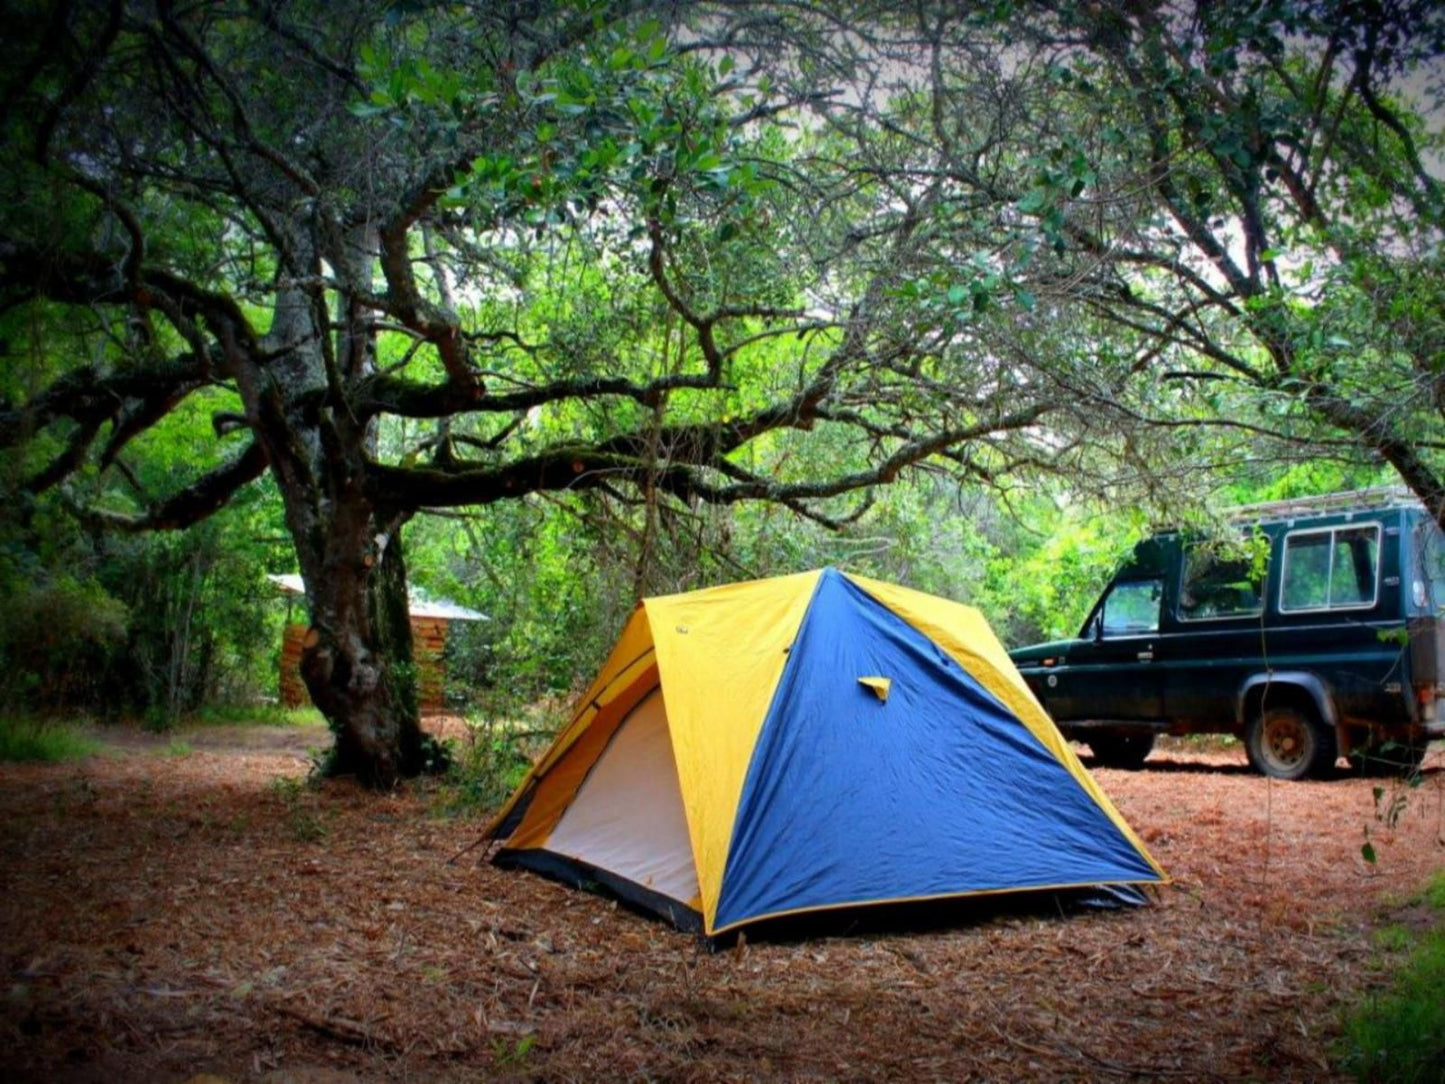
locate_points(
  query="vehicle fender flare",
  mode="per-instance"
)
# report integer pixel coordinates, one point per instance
(1311, 684)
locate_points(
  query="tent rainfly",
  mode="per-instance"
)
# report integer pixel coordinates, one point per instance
(429, 622)
(806, 743)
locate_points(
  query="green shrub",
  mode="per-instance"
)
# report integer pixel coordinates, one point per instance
(1434, 893)
(300, 804)
(152, 625)
(201, 619)
(487, 767)
(1399, 1035)
(59, 633)
(48, 743)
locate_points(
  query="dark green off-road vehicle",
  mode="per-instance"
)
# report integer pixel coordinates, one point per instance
(1318, 635)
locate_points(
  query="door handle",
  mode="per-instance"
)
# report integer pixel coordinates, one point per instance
(1146, 656)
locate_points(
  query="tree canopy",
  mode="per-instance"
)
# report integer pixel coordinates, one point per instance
(668, 255)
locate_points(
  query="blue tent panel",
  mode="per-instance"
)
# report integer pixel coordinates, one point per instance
(937, 790)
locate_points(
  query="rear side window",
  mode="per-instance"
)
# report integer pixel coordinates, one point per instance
(1336, 568)
(1429, 587)
(1434, 552)
(1221, 582)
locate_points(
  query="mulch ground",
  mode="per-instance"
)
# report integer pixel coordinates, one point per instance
(167, 915)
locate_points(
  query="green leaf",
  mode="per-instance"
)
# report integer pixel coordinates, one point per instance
(1034, 201)
(455, 196)
(1367, 852)
(725, 65)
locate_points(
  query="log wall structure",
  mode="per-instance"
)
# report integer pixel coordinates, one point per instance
(428, 645)
(429, 623)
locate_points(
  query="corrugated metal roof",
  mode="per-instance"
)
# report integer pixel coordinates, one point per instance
(292, 584)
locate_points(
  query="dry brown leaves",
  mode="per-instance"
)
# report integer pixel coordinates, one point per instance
(162, 916)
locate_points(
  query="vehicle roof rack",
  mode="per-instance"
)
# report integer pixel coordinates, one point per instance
(1355, 500)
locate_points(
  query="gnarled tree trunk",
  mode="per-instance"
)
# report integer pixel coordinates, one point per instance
(357, 662)
(357, 658)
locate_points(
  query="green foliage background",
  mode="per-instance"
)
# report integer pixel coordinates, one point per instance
(158, 626)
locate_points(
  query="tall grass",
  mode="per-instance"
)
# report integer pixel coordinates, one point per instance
(1399, 1035)
(257, 715)
(24, 739)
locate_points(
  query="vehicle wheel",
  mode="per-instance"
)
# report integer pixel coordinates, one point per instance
(1395, 757)
(1289, 743)
(1121, 750)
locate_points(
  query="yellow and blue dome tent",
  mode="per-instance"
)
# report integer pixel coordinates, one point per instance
(807, 743)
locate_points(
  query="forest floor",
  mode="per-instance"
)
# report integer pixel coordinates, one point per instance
(185, 904)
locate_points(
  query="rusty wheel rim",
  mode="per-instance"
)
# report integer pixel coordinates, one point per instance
(1285, 743)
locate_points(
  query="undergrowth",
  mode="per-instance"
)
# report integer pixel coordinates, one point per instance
(257, 715)
(1399, 1035)
(301, 809)
(1199, 743)
(23, 739)
(486, 767)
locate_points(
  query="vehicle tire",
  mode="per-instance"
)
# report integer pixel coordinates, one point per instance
(1290, 743)
(1121, 750)
(1395, 757)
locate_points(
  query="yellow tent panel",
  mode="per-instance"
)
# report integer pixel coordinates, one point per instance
(720, 652)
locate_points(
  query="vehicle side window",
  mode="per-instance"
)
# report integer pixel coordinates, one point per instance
(1220, 584)
(1132, 607)
(1434, 551)
(1331, 569)
(1429, 587)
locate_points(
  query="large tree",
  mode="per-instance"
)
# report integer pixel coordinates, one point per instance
(1241, 205)
(454, 255)
(458, 254)
(1254, 205)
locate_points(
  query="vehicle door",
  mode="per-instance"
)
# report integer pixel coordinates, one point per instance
(1110, 672)
(1215, 639)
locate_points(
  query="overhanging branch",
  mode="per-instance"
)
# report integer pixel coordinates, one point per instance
(90, 397)
(201, 499)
